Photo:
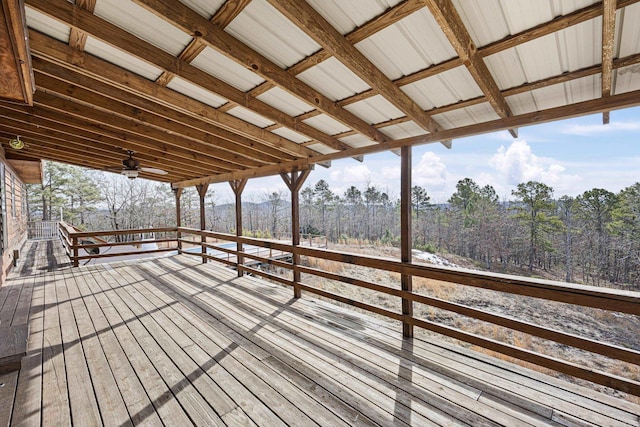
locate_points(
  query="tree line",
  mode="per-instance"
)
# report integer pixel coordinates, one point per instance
(593, 238)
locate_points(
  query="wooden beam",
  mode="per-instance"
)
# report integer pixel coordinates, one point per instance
(67, 13)
(202, 192)
(451, 24)
(614, 102)
(58, 53)
(78, 38)
(294, 181)
(75, 130)
(608, 37)
(318, 28)
(87, 106)
(191, 22)
(406, 239)
(193, 127)
(237, 186)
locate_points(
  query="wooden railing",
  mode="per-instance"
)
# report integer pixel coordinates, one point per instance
(42, 229)
(577, 295)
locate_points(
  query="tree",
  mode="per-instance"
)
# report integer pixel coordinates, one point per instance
(566, 210)
(535, 202)
(595, 207)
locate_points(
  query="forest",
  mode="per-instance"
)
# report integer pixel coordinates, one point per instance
(593, 238)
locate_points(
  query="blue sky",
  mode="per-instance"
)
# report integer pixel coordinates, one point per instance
(571, 156)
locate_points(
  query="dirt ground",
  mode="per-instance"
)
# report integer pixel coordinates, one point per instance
(614, 328)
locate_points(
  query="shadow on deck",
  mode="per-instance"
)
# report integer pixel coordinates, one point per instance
(176, 342)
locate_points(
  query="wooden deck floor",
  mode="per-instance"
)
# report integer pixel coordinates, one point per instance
(173, 342)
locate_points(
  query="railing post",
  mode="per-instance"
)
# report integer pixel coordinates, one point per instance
(202, 192)
(405, 235)
(178, 193)
(75, 251)
(238, 186)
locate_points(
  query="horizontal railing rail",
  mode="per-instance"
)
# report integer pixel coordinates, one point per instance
(281, 254)
(587, 296)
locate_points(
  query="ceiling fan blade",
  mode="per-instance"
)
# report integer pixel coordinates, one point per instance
(154, 170)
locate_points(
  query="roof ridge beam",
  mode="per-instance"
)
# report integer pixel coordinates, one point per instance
(192, 23)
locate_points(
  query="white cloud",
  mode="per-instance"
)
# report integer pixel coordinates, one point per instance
(597, 129)
(518, 164)
(352, 174)
(430, 172)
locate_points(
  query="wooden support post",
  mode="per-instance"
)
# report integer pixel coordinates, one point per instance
(405, 234)
(75, 252)
(238, 186)
(202, 192)
(294, 181)
(177, 192)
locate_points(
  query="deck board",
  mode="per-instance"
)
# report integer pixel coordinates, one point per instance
(172, 341)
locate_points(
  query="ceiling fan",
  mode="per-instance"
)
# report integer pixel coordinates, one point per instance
(131, 167)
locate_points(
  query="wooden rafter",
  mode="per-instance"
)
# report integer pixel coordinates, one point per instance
(625, 100)
(608, 36)
(67, 13)
(314, 25)
(451, 24)
(191, 22)
(122, 103)
(90, 66)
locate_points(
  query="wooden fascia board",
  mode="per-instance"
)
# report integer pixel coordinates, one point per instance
(614, 102)
(67, 13)
(320, 30)
(191, 22)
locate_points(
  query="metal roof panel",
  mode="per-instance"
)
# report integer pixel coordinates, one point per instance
(196, 92)
(628, 31)
(264, 29)
(122, 59)
(291, 135)
(250, 116)
(326, 124)
(285, 102)
(143, 24)
(205, 8)
(357, 141)
(374, 110)
(345, 16)
(467, 116)
(403, 130)
(626, 79)
(227, 70)
(443, 89)
(333, 79)
(46, 25)
(410, 45)
(321, 148)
